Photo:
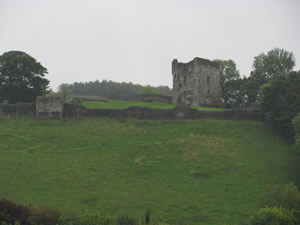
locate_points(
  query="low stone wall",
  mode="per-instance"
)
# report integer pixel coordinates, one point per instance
(143, 113)
(14, 110)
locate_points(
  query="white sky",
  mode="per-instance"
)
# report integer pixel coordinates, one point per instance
(136, 40)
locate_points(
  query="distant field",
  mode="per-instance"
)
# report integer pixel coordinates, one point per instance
(186, 172)
(114, 104)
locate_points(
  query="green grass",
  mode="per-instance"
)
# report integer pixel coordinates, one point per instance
(201, 108)
(115, 104)
(185, 172)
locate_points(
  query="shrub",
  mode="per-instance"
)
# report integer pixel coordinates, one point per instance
(287, 196)
(95, 219)
(44, 216)
(71, 218)
(273, 216)
(125, 220)
(11, 213)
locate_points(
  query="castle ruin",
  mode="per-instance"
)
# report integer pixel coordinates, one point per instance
(197, 82)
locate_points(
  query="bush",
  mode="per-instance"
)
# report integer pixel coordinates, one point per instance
(287, 196)
(273, 216)
(125, 220)
(44, 216)
(11, 212)
(296, 125)
(71, 218)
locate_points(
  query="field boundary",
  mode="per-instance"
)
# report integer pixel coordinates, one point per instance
(144, 113)
(141, 113)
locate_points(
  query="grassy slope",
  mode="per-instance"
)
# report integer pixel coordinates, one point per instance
(114, 104)
(190, 172)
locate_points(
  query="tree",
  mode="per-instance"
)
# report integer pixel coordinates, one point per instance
(231, 83)
(65, 92)
(276, 63)
(280, 101)
(147, 90)
(266, 67)
(252, 87)
(21, 77)
(296, 125)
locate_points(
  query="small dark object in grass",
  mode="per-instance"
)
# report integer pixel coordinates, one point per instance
(225, 169)
(148, 216)
(200, 175)
(30, 151)
(159, 157)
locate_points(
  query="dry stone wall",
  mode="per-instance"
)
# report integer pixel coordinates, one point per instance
(142, 113)
(16, 110)
(178, 113)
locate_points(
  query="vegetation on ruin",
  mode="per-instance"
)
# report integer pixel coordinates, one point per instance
(185, 172)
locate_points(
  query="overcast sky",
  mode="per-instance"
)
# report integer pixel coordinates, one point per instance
(136, 40)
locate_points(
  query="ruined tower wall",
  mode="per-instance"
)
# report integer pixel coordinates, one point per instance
(197, 82)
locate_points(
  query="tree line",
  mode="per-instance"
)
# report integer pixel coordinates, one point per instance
(241, 91)
(106, 88)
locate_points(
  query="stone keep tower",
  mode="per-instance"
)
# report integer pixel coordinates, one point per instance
(197, 82)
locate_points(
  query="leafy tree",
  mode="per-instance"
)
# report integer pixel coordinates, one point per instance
(266, 67)
(231, 89)
(252, 87)
(147, 90)
(65, 92)
(276, 63)
(296, 124)
(163, 90)
(280, 100)
(21, 77)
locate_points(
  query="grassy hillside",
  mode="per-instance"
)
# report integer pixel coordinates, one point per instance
(115, 104)
(185, 172)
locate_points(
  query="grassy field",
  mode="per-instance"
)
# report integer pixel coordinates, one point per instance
(115, 104)
(185, 172)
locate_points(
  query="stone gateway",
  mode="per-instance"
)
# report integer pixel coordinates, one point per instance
(197, 82)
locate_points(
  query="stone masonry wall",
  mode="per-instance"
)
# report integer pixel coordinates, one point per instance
(197, 82)
(142, 113)
(178, 113)
(49, 107)
(16, 110)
